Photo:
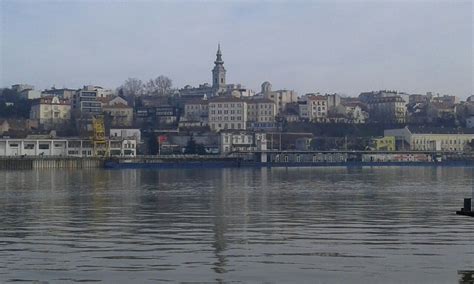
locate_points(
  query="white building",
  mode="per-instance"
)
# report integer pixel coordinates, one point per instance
(64, 147)
(103, 93)
(238, 141)
(352, 111)
(63, 93)
(126, 133)
(238, 91)
(433, 139)
(85, 102)
(30, 94)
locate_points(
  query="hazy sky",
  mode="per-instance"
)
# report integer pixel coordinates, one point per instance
(308, 46)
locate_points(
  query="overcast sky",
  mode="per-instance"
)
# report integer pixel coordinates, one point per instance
(325, 46)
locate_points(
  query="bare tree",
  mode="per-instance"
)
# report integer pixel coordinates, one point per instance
(160, 86)
(132, 87)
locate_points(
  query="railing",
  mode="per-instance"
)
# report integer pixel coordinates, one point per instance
(46, 157)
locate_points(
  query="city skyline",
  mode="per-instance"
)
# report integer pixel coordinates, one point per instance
(307, 46)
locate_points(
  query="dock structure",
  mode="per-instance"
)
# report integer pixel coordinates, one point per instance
(343, 156)
(48, 162)
(269, 158)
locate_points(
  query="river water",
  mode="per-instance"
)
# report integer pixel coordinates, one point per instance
(298, 225)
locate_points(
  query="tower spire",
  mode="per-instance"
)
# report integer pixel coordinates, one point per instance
(218, 73)
(219, 55)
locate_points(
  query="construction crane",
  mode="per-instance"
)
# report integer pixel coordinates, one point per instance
(101, 147)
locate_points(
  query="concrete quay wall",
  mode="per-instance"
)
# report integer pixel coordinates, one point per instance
(29, 163)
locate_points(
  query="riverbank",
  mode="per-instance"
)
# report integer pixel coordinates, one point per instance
(237, 163)
(194, 161)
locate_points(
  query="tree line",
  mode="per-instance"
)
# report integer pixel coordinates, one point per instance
(159, 86)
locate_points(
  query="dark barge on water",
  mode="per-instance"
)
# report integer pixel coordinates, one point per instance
(294, 159)
(466, 210)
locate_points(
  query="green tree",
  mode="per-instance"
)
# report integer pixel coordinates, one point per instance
(194, 148)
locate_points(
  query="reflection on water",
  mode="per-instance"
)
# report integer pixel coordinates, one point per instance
(277, 225)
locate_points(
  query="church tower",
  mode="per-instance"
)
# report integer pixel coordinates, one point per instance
(218, 73)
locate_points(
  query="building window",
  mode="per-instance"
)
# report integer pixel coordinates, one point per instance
(29, 146)
(43, 146)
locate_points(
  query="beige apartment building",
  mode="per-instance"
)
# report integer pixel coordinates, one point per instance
(280, 97)
(50, 111)
(119, 114)
(227, 113)
(313, 108)
(239, 113)
(387, 109)
(196, 110)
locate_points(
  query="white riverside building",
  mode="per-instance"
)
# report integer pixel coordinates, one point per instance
(64, 147)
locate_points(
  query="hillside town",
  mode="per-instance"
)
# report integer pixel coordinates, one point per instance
(155, 118)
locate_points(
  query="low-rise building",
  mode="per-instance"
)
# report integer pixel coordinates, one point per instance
(119, 114)
(166, 114)
(63, 93)
(30, 94)
(4, 126)
(333, 100)
(241, 141)
(387, 109)
(21, 87)
(126, 133)
(239, 91)
(103, 92)
(440, 110)
(352, 112)
(64, 147)
(386, 143)
(280, 97)
(446, 99)
(17, 127)
(433, 138)
(50, 111)
(313, 108)
(112, 100)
